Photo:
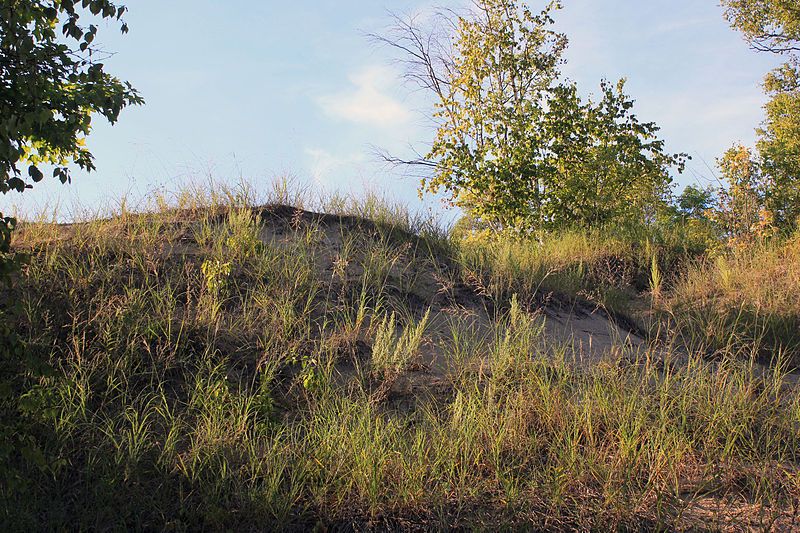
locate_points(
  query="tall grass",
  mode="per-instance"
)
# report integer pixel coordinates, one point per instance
(393, 352)
(748, 297)
(595, 268)
(216, 367)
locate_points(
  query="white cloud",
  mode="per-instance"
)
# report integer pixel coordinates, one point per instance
(324, 164)
(367, 102)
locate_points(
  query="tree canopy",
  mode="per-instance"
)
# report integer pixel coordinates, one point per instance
(52, 82)
(774, 26)
(768, 25)
(516, 145)
(779, 144)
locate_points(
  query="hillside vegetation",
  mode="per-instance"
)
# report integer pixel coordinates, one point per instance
(212, 363)
(585, 349)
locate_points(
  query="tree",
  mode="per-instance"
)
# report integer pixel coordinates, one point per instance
(741, 211)
(695, 202)
(768, 25)
(774, 26)
(490, 71)
(515, 146)
(779, 144)
(52, 81)
(608, 165)
(693, 219)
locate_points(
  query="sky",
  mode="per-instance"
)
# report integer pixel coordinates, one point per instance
(258, 91)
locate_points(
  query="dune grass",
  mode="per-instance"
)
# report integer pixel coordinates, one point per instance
(203, 374)
(748, 298)
(571, 264)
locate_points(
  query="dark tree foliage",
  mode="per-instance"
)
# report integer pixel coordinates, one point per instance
(695, 202)
(52, 81)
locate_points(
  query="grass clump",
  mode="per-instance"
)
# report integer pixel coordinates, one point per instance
(748, 298)
(393, 352)
(588, 268)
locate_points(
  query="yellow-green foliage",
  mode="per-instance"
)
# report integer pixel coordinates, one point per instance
(216, 275)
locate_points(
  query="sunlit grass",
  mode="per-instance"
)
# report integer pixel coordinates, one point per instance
(213, 370)
(748, 297)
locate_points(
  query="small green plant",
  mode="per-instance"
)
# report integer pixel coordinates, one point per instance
(310, 375)
(216, 275)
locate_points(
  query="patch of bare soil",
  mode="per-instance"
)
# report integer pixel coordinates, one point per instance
(735, 515)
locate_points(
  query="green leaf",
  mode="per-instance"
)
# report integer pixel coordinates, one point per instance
(48, 75)
(35, 174)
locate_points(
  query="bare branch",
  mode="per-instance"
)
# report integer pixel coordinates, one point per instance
(394, 161)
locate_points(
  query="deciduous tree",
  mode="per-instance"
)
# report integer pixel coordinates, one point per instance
(741, 206)
(779, 144)
(52, 82)
(774, 26)
(515, 145)
(768, 25)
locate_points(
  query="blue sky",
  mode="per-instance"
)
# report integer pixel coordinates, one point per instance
(266, 89)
